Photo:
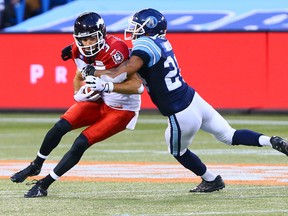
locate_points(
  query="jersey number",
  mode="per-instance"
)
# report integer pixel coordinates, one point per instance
(172, 78)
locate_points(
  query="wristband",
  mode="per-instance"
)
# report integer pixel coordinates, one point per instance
(109, 87)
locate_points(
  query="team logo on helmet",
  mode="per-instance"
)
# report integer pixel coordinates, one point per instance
(152, 23)
(100, 22)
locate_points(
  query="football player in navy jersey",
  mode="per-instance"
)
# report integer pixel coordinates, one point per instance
(103, 114)
(153, 58)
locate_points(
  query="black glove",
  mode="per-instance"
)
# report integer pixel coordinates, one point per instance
(89, 70)
(66, 53)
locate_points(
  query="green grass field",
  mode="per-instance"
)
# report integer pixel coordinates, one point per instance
(22, 134)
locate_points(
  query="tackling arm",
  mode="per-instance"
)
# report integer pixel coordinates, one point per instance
(132, 85)
(130, 66)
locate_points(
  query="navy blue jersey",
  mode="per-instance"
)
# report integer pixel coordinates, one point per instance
(161, 75)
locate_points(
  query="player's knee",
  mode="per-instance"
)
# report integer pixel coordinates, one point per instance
(225, 140)
(178, 152)
(80, 145)
(62, 126)
(225, 137)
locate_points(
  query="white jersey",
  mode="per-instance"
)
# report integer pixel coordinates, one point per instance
(122, 101)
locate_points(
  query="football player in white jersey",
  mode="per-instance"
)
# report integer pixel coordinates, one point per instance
(153, 58)
(103, 114)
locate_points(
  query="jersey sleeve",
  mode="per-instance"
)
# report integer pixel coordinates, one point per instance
(123, 48)
(145, 48)
(119, 53)
(143, 55)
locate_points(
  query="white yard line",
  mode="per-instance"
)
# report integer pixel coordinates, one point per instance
(150, 171)
(145, 121)
(238, 212)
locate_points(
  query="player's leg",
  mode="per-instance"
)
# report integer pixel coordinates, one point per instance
(112, 122)
(70, 159)
(50, 141)
(179, 135)
(215, 124)
(252, 138)
(73, 118)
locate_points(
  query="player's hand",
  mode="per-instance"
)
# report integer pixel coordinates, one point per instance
(97, 84)
(89, 70)
(66, 53)
(84, 95)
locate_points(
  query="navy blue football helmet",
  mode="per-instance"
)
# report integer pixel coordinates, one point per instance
(89, 25)
(146, 22)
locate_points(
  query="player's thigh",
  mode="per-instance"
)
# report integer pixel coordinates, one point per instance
(83, 113)
(214, 123)
(182, 128)
(110, 123)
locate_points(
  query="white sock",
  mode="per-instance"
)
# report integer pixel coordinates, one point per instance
(208, 176)
(53, 175)
(41, 155)
(265, 141)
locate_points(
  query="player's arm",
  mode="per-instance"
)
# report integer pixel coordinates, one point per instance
(130, 66)
(77, 81)
(129, 85)
(132, 85)
(67, 54)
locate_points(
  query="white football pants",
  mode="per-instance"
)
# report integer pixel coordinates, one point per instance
(183, 126)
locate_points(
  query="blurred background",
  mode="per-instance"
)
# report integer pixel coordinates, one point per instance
(234, 53)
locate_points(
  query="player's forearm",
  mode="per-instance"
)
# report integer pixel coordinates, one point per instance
(99, 73)
(129, 87)
(129, 67)
(77, 81)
